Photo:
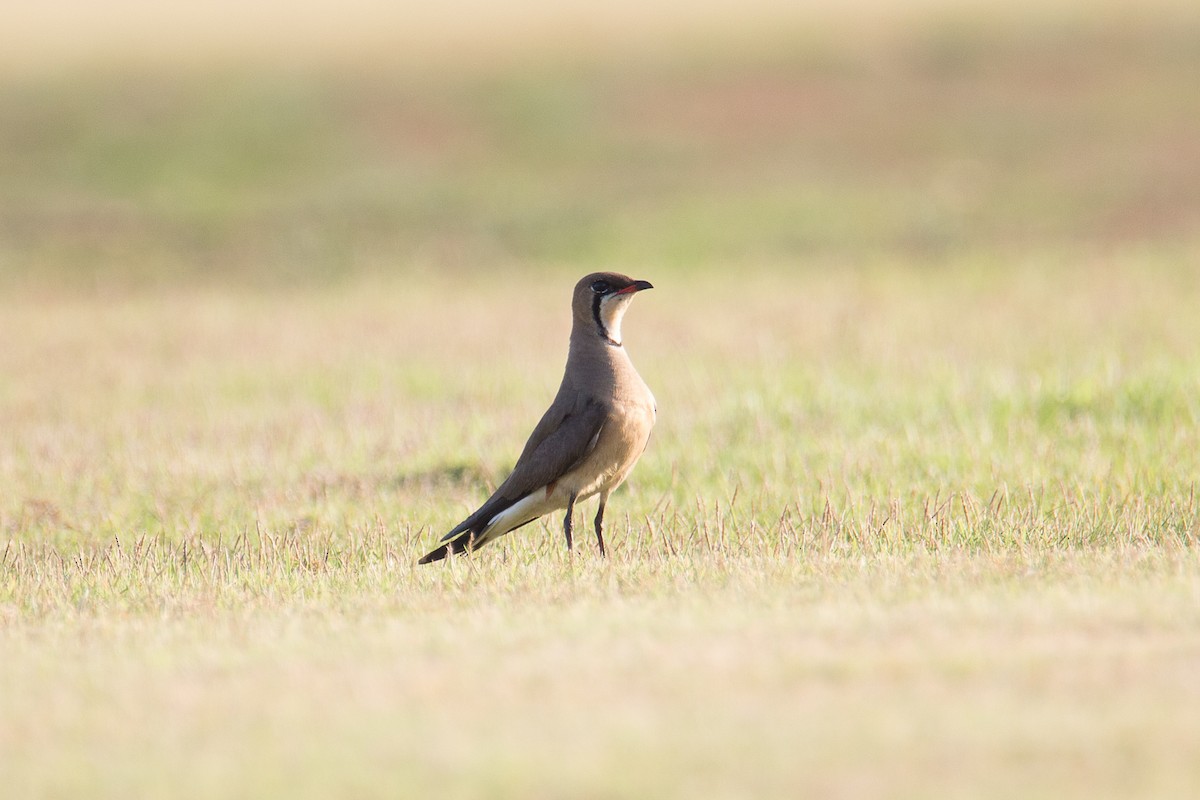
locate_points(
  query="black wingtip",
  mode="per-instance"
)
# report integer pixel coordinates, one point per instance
(462, 544)
(435, 555)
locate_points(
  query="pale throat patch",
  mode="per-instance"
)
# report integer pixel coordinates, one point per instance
(612, 310)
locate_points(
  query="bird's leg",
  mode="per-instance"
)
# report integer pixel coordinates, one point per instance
(600, 525)
(567, 519)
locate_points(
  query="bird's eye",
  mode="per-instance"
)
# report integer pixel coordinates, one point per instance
(600, 287)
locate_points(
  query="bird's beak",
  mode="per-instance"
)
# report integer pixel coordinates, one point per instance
(636, 286)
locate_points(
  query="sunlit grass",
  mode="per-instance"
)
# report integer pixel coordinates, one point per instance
(885, 524)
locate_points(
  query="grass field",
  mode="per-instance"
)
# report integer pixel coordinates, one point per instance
(919, 517)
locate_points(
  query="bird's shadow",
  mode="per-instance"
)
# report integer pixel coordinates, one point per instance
(442, 476)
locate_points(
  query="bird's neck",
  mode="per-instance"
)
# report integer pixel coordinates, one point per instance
(594, 356)
(591, 341)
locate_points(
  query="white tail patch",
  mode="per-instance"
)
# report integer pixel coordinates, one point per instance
(527, 508)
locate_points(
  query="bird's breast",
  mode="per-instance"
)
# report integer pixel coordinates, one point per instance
(620, 443)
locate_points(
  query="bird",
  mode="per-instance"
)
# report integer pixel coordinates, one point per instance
(590, 438)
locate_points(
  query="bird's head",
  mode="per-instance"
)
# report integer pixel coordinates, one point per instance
(600, 302)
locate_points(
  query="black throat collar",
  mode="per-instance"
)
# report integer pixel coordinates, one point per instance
(600, 329)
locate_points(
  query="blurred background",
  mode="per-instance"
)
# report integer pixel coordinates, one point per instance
(147, 144)
(283, 287)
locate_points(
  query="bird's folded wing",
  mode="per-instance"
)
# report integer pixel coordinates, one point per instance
(558, 452)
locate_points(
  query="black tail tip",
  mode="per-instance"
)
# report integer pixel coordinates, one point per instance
(435, 555)
(463, 544)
